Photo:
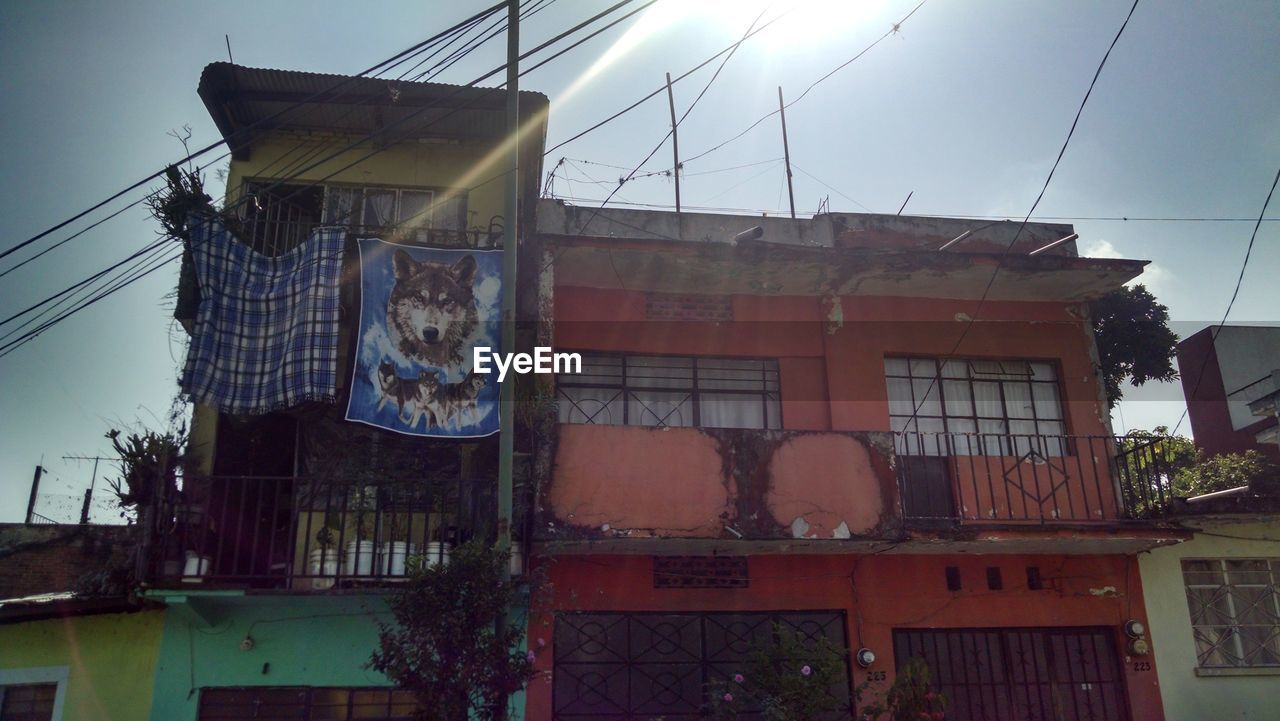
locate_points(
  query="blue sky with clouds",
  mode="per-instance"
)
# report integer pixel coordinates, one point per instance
(965, 108)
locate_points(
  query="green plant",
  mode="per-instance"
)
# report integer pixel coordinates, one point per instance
(911, 696)
(443, 645)
(149, 464)
(786, 678)
(1221, 472)
(1131, 329)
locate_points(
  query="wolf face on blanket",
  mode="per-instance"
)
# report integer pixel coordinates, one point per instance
(432, 309)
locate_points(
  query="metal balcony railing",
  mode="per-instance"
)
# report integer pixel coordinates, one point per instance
(1005, 478)
(314, 534)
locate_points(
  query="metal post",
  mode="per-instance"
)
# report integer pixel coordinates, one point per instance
(511, 210)
(88, 494)
(786, 152)
(35, 490)
(675, 141)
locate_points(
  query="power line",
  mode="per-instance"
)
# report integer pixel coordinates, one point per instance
(1022, 226)
(893, 30)
(222, 141)
(31, 334)
(1213, 337)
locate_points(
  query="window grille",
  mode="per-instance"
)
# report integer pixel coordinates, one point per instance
(672, 391)
(1235, 611)
(975, 407)
(27, 702)
(332, 704)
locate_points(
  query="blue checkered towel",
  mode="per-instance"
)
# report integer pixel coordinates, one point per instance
(266, 334)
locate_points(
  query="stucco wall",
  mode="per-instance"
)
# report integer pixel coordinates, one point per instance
(110, 658)
(878, 594)
(1187, 696)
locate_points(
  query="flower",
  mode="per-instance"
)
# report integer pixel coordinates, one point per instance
(531, 656)
(805, 670)
(728, 697)
(738, 678)
(930, 696)
(939, 715)
(542, 643)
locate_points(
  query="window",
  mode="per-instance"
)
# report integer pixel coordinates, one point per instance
(331, 704)
(671, 391)
(975, 407)
(277, 218)
(32, 694)
(27, 702)
(644, 666)
(379, 207)
(1235, 611)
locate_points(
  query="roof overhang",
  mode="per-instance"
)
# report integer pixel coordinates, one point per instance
(245, 102)
(763, 268)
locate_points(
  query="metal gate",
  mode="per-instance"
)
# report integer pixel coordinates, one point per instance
(1024, 674)
(642, 666)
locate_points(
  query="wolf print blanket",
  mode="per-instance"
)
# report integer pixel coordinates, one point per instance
(421, 312)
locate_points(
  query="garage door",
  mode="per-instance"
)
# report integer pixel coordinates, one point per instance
(1055, 674)
(642, 666)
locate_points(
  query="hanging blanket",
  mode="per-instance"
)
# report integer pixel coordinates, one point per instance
(266, 335)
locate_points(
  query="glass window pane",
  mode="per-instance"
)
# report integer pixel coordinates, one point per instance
(602, 406)
(731, 410)
(900, 397)
(659, 372)
(955, 369)
(958, 398)
(415, 208)
(923, 368)
(1043, 372)
(659, 408)
(1017, 399)
(341, 206)
(926, 396)
(1045, 396)
(895, 366)
(986, 397)
(1248, 571)
(379, 207)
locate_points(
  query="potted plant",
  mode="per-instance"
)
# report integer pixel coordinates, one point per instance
(323, 559)
(361, 548)
(397, 549)
(437, 550)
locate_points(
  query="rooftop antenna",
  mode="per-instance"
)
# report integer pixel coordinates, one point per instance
(228, 39)
(904, 203)
(786, 152)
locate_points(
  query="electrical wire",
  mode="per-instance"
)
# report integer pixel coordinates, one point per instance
(34, 332)
(222, 141)
(1213, 336)
(893, 30)
(973, 317)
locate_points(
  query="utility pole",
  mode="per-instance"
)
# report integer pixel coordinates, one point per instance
(675, 141)
(786, 152)
(93, 481)
(506, 391)
(35, 491)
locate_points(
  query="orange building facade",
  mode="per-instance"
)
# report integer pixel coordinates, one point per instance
(831, 426)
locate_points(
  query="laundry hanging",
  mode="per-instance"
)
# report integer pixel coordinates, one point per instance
(265, 337)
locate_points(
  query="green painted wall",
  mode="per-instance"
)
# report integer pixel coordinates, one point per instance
(1188, 696)
(298, 640)
(111, 660)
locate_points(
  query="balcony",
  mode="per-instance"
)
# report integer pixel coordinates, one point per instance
(976, 479)
(306, 534)
(670, 490)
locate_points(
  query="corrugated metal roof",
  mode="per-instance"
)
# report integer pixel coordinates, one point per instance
(239, 98)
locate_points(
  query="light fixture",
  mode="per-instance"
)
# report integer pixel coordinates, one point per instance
(247, 644)
(1055, 244)
(1133, 628)
(1139, 647)
(755, 233)
(865, 657)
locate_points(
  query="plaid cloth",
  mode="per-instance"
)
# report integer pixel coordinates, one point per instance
(266, 335)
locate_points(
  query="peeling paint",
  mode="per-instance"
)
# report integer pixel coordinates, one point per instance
(1104, 591)
(799, 527)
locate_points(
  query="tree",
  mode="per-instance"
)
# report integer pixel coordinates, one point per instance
(1157, 467)
(1134, 341)
(443, 645)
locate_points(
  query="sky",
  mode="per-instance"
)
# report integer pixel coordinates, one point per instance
(965, 109)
